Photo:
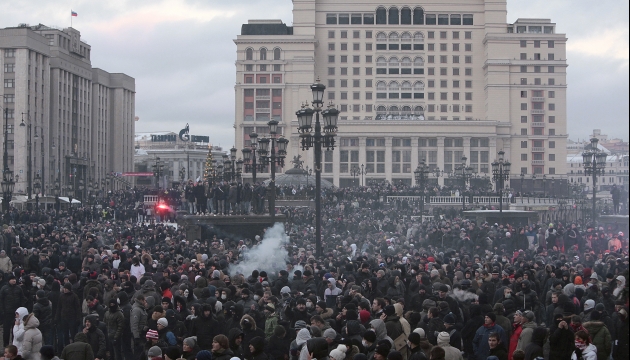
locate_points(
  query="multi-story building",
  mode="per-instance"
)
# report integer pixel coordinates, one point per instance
(79, 120)
(432, 81)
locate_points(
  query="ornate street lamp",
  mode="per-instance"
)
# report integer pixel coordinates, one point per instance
(422, 175)
(274, 158)
(594, 162)
(500, 174)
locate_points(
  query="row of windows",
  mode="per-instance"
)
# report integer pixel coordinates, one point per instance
(537, 69)
(9, 68)
(263, 92)
(539, 93)
(422, 142)
(538, 81)
(537, 56)
(538, 144)
(550, 44)
(403, 17)
(538, 119)
(538, 131)
(9, 53)
(539, 106)
(264, 67)
(262, 54)
(538, 156)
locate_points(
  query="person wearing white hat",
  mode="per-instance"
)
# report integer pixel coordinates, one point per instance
(339, 353)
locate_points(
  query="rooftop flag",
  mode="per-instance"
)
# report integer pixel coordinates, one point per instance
(73, 13)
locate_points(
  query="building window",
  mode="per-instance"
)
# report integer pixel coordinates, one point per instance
(9, 53)
(523, 68)
(276, 54)
(552, 119)
(536, 43)
(523, 131)
(9, 68)
(523, 43)
(552, 107)
(331, 34)
(551, 69)
(552, 132)
(331, 58)
(523, 157)
(552, 144)
(9, 83)
(523, 106)
(523, 119)
(552, 81)
(344, 34)
(550, 44)
(524, 144)
(552, 157)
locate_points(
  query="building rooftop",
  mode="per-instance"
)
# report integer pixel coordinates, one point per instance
(274, 27)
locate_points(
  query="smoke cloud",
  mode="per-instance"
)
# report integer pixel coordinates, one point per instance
(270, 255)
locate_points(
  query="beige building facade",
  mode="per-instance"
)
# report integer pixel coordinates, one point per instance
(433, 81)
(82, 119)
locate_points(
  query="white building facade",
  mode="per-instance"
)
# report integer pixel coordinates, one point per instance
(431, 81)
(79, 120)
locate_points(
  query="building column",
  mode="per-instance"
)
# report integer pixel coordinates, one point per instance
(414, 158)
(440, 158)
(388, 158)
(507, 147)
(362, 141)
(467, 148)
(336, 160)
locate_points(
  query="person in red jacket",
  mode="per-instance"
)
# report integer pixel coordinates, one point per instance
(516, 333)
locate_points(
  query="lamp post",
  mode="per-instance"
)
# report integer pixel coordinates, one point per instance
(8, 184)
(422, 175)
(37, 185)
(182, 175)
(57, 191)
(29, 160)
(273, 158)
(249, 154)
(158, 169)
(233, 163)
(544, 179)
(465, 174)
(354, 172)
(500, 174)
(522, 178)
(316, 140)
(594, 162)
(308, 175)
(553, 187)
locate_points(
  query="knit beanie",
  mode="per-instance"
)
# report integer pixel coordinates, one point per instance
(443, 337)
(339, 353)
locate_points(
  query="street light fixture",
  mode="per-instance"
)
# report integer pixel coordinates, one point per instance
(500, 174)
(422, 175)
(594, 162)
(522, 178)
(317, 140)
(465, 173)
(249, 155)
(274, 158)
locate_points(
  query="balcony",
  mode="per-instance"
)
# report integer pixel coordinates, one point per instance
(538, 124)
(538, 99)
(263, 97)
(538, 162)
(538, 149)
(263, 110)
(538, 111)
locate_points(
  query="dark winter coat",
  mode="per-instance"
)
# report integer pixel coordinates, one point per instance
(69, 307)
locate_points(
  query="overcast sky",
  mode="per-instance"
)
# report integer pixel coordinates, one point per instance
(182, 55)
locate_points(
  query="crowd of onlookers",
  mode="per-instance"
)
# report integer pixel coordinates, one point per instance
(96, 283)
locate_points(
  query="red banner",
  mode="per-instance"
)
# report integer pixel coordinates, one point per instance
(137, 174)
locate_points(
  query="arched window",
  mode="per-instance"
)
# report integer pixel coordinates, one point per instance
(393, 110)
(263, 54)
(418, 16)
(418, 36)
(381, 109)
(405, 36)
(406, 110)
(406, 85)
(381, 85)
(418, 61)
(393, 18)
(393, 61)
(418, 110)
(405, 16)
(381, 37)
(393, 36)
(381, 16)
(249, 54)
(381, 61)
(393, 86)
(418, 85)
(406, 61)
(276, 54)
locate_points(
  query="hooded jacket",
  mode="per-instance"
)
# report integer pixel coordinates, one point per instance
(115, 321)
(11, 298)
(32, 340)
(590, 353)
(43, 311)
(95, 337)
(381, 331)
(330, 294)
(535, 348)
(18, 330)
(600, 337)
(450, 352)
(526, 335)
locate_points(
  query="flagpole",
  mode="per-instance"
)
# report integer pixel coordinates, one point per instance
(70, 17)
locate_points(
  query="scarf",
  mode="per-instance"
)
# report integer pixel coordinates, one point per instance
(488, 326)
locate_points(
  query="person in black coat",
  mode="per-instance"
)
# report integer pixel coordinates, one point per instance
(11, 298)
(256, 349)
(205, 328)
(535, 348)
(43, 312)
(279, 344)
(250, 331)
(561, 342)
(497, 348)
(469, 330)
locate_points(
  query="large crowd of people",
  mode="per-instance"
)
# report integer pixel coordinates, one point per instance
(115, 282)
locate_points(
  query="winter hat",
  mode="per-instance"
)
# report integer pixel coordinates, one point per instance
(449, 319)
(370, 336)
(389, 310)
(596, 315)
(300, 324)
(163, 322)
(172, 352)
(589, 304)
(600, 307)
(395, 355)
(65, 286)
(154, 351)
(40, 294)
(339, 353)
(47, 352)
(577, 280)
(330, 333)
(529, 315)
(420, 331)
(382, 350)
(444, 337)
(190, 342)
(414, 338)
(492, 316)
(322, 304)
(204, 355)
(152, 334)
